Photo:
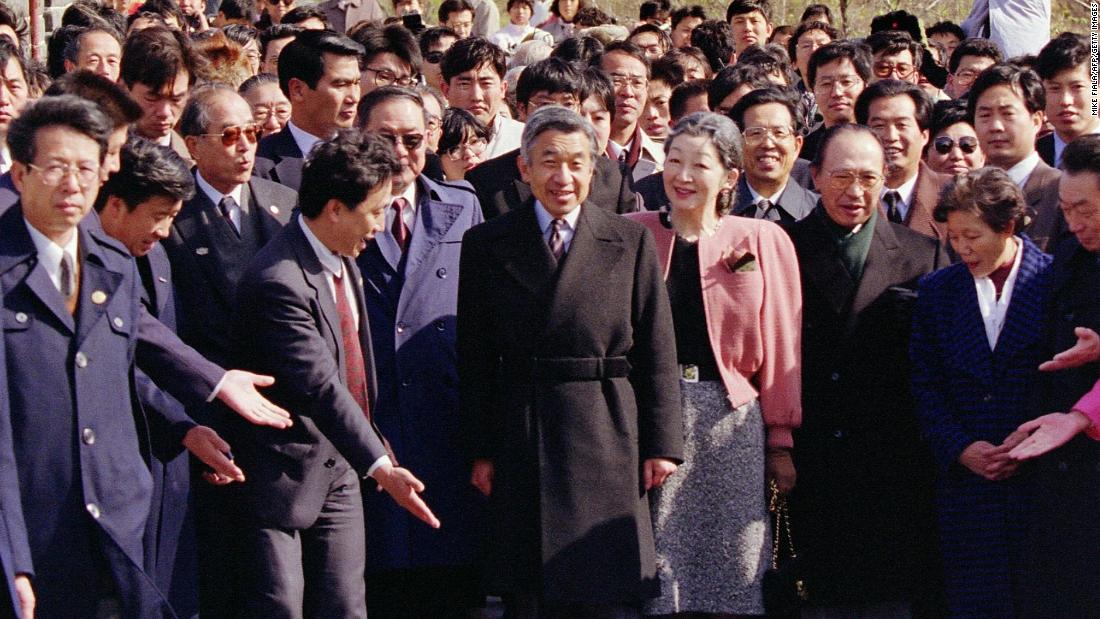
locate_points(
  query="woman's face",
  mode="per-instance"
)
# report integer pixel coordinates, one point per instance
(568, 9)
(979, 247)
(594, 110)
(694, 175)
(464, 157)
(955, 142)
(519, 14)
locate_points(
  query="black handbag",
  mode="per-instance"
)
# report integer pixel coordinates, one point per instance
(784, 587)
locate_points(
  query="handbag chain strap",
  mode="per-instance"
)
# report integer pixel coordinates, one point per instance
(777, 504)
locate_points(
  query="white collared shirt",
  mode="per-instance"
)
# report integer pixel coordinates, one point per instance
(5, 159)
(993, 310)
(305, 140)
(408, 215)
(757, 213)
(333, 265)
(545, 220)
(618, 150)
(217, 196)
(49, 253)
(1060, 145)
(1020, 172)
(906, 192)
(505, 138)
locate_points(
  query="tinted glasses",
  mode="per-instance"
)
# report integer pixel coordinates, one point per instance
(230, 135)
(944, 144)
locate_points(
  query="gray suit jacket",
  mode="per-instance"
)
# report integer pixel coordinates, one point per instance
(794, 203)
(1041, 193)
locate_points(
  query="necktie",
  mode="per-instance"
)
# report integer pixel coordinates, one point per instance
(767, 210)
(399, 230)
(354, 367)
(557, 243)
(67, 283)
(226, 206)
(893, 213)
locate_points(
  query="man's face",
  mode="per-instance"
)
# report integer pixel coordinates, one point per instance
(99, 53)
(725, 105)
(142, 228)
(357, 226)
(560, 171)
(402, 121)
(836, 88)
(55, 208)
(693, 69)
(331, 105)
(406, 7)
(385, 69)
(959, 82)
(270, 107)
(850, 178)
(1067, 102)
(681, 34)
(13, 95)
(277, 9)
(224, 165)
(543, 98)
(433, 127)
(594, 110)
(271, 58)
(962, 152)
(698, 103)
(1006, 130)
(949, 41)
(479, 92)
(1079, 198)
(462, 22)
(750, 29)
(432, 72)
(897, 66)
(650, 44)
(806, 46)
(112, 161)
(252, 52)
(894, 119)
(655, 116)
(628, 74)
(769, 159)
(190, 7)
(160, 108)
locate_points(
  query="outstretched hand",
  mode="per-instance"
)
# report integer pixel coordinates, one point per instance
(1048, 433)
(238, 392)
(205, 444)
(1086, 350)
(405, 488)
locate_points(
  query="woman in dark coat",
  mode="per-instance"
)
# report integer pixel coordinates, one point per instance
(975, 352)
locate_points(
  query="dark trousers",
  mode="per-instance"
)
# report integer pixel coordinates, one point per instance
(219, 527)
(528, 606)
(314, 572)
(435, 592)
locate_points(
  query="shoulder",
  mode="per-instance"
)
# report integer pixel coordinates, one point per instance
(276, 191)
(275, 145)
(935, 282)
(487, 170)
(459, 192)
(611, 224)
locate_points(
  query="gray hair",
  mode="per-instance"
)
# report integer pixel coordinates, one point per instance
(555, 118)
(720, 130)
(195, 119)
(530, 52)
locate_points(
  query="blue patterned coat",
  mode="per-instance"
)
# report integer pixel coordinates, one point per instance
(965, 393)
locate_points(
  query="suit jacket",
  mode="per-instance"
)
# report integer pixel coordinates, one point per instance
(337, 17)
(70, 391)
(1048, 227)
(9, 195)
(412, 302)
(205, 267)
(926, 194)
(563, 382)
(862, 511)
(651, 189)
(795, 202)
(279, 159)
(286, 326)
(500, 188)
(1045, 147)
(15, 551)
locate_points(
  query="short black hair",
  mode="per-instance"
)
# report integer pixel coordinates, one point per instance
(682, 93)
(304, 57)
(164, 8)
(552, 75)
(582, 48)
(815, 11)
(237, 9)
(740, 7)
(58, 45)
(1082, 155)
(9, 52)
(627, 48)
(946, 113)
(884, 89)
(121, 110)
(93, 13)
(895, 42)
(155, 56)
(17, 22)
(156, 18)
(831, 134)
(512, 3)
(147, 170)
(982, 48)
(379, 96)
(668, 70)
(394, 39)
(809, 26)
(457, 125)
(597, 84)
(783, 96)
(856, 53)
(431, 36)
(303, 12)
(731, 78)
(470, 53)
(73, 44)
(242, 35)
(653, 8)
(69, 111)
(682, 13)
(662, 36)
(770, 58)
(897, 21)
(1064, 52)
(345, 168)
(715, 38)
(945, 27)
(1024, 82)
(453, 6)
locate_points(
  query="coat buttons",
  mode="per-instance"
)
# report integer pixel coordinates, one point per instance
(21, 317)
(331, 462)
(274, 209)
(88, 436)
(835, 376)
(201, 251)
(99, 297)
(81, 360)
(988, 397)
(440, 325)
(93, 509)
(117, 322)
(441, 273)
(401, 327)
(406, 382)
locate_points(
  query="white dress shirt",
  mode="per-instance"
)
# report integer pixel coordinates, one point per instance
(50, 253)
(566, 231)
(757, 213)
(216, 197)
(505, 138)
(305, 140)
(1020, 172)
(993, 310)
(408, 215)
(906, 192)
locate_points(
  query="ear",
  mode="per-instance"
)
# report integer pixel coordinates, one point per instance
(924, 137)
(114, 204)
(191, 141)
(445, 86)
(524, 172)
(731, 179)
(332, 210)
(297, 88)
(18, 171)
(798, 142)
(69, 66)
(522, 109)
(816, 176)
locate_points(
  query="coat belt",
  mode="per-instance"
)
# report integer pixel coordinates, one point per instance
(564, 368)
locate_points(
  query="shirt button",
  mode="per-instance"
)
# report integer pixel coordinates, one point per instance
(838, 434)
(835, 376)
(406, 382)
(331, 462)
(81, 360)
(118, 322)
(441, 273)
(401, 327)
(88, 436)
(20, 317)
(93, 509)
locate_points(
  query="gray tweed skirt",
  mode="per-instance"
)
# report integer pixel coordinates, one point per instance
(711, 525)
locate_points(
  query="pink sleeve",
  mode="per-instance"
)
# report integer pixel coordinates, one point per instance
(1089, 405)
(780, 375)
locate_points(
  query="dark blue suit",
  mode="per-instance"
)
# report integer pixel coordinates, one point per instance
(86, 489)
(412, 301)
(965, 393)
(15, 551)
(279, 159)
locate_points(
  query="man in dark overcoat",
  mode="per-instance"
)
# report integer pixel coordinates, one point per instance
(568, 386)
(862, 510)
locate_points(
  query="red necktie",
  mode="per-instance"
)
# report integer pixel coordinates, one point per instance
(399, 230)
(353, 351)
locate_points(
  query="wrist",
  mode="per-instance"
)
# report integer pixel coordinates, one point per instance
(1081, 420)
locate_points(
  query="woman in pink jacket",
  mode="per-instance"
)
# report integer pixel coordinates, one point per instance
(736, 302)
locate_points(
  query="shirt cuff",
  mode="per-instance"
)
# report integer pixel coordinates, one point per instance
(377, 463)
(217, 389)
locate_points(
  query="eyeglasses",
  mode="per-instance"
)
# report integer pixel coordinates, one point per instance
(846, 83)
(385, 77)
(966, 77)
(411, 141)
(756, 135)
(282, 2)
(622, 81)
(433, 57)
(52, 175)
(839, 181)
(944, 144)
(472, 148)
(231, 135)
(886, 69)
(261, 113)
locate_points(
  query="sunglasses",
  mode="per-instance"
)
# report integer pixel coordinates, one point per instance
(433, 57)
(231, 135)
(411, 141)
(282, 2)
(944, 144)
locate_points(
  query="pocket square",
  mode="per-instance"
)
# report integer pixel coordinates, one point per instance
(741, 264)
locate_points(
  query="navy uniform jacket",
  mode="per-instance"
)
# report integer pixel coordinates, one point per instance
(15, 551)
(412, 302)
(279, 159)
(86, 489)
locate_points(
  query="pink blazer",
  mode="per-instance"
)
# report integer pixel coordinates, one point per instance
(752, 297)
(1089, 404)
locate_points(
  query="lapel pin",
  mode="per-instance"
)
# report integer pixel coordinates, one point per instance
(99, 297)
(201, 251)
(274, 209)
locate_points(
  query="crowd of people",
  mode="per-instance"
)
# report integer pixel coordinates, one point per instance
(601, 321)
